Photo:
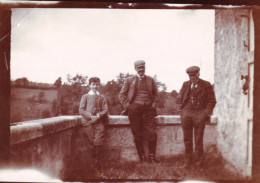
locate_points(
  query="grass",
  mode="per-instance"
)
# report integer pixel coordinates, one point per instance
(23, 109)
(168, 169)
(28, 92)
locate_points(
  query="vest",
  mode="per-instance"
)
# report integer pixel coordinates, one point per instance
(193, 101)
(142, 95)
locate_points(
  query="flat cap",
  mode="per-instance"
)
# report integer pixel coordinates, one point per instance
(192, 70)
(139, 63)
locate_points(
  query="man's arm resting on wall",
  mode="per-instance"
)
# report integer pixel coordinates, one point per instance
(123, 94)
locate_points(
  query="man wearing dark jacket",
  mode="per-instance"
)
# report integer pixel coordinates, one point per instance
(197, 101)
(139, 97)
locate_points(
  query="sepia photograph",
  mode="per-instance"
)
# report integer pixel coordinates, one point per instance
(129, 92)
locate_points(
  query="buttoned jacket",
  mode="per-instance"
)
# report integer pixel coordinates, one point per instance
(90, 106)
(205, 95)
(128, 90)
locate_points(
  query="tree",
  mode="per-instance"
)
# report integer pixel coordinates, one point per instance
(111, 91)
(22, 81)
(78, 80)
(122, 77)
(58, 83)
(69, 95)
(161, 86)
(174, 93)
(41, 97)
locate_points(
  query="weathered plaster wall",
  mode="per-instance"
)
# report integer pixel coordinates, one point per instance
(53, 145)
(231, 61)
(43, 144)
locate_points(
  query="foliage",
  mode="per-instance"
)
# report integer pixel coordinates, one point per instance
(161, 86)
(58, 83)
(25, 83)
(69, 95)
(34, 105)
(41, 97)
(46, 113)
(121, 78)
(174, 93)
(78, 80)
(111, 91)
(22, 81)
(32, 99)
(24, 109)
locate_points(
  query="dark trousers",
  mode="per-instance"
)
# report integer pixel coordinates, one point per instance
(93, 139)
(193, 121)
(142, 122)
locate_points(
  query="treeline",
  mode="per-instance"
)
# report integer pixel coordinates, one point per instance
(70, 92)
(25, 83)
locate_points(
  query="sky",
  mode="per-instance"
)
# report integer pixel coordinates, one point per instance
(51, 43)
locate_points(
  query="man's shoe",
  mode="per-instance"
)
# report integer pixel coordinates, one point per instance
(199, 165)
(152, 159)
(142, 158)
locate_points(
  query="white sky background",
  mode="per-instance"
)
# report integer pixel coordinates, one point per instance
(51, 43)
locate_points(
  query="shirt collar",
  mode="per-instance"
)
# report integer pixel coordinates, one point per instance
(140, 77)
(195, 84)
(92, 93)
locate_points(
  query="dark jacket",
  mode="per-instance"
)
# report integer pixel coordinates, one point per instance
(206, 95)
(128, 91)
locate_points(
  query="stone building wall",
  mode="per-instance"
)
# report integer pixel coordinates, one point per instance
(231, 61)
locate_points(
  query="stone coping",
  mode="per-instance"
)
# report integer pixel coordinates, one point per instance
(161, 120)
(28, 130)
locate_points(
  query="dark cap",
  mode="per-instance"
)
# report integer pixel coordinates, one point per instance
(94, 80)
(192, 70)
(139, 63)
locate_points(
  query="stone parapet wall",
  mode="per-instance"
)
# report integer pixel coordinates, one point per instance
(48, 144)
(28, 130)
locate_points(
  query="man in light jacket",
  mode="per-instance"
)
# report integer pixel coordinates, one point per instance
(139, 98)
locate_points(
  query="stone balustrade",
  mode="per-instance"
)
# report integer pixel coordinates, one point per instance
(48, 144)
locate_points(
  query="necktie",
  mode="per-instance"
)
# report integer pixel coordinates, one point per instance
(192, 86)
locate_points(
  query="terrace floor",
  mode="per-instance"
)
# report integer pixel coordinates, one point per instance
(168, 169)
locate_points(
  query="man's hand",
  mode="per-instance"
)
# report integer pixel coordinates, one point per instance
(206, 117)
(154, 105)
(94, 119)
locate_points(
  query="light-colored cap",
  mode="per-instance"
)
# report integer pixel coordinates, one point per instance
(139, 63)
(192, 70)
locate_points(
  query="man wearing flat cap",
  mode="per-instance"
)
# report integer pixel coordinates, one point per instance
(197, 101)
(139, 97)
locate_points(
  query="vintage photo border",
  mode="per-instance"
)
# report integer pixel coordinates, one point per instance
(188, 4)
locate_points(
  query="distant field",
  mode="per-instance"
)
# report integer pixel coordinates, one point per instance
(25, 103)
(23, 93)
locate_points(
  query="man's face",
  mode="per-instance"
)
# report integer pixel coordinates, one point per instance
(194, 77)
(94, 86)
(140, 70)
